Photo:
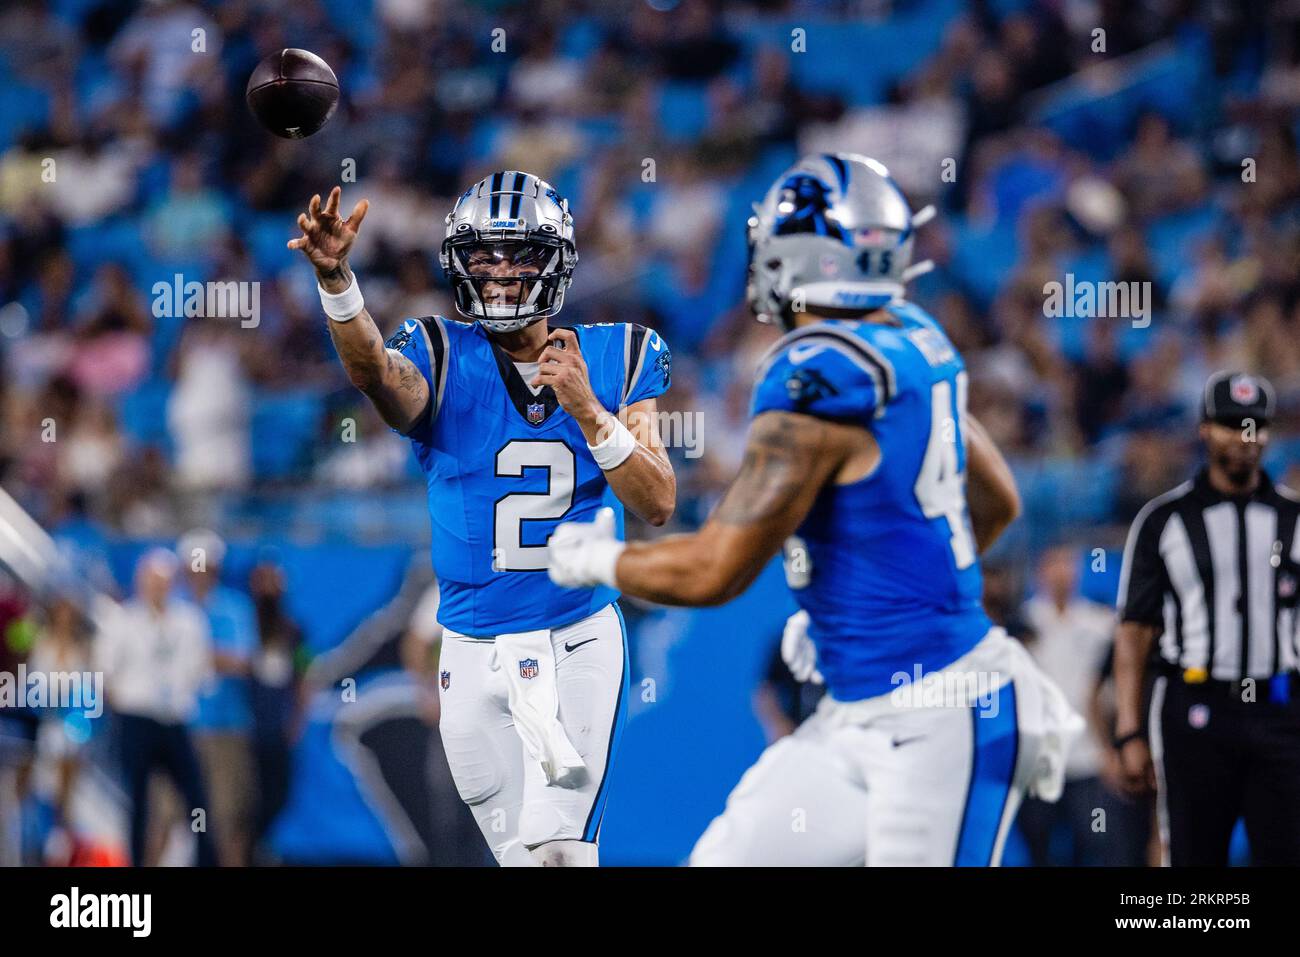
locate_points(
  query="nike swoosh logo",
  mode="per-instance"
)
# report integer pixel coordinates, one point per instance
(800, 354)
(569, 647)
(899, 742)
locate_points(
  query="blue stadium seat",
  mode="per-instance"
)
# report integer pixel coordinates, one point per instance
(1173, 239)
(983, 256)
(142, 413)
(113, 240)
(284, 428)
(683, 110)
(1100, 125)
(21, 107)
(858, 60)
(266, 235)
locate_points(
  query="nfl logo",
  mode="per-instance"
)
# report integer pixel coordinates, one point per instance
(1243, 389)
(536, 412)
(830, 266)
(528, 668)
(445, 679)
(1198, 716)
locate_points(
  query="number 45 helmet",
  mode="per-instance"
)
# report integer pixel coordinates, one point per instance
(833, 235)
(518, 220)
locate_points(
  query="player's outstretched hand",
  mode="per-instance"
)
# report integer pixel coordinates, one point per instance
(327, 238)
(583, 554)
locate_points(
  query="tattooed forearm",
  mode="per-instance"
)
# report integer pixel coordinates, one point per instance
(778, 463)
(361, 349)
(788, 459)
(391, 381)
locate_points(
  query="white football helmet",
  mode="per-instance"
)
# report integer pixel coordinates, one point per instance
(517, 219)
(833, 233)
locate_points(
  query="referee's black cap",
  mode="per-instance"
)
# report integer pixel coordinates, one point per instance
(1231, 398)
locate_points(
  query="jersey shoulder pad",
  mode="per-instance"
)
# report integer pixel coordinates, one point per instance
(426, 341)
(647, 363)
(827, 371)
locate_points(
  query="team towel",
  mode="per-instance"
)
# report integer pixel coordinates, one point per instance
(528, 660)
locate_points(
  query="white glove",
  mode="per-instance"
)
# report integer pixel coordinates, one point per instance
(583, 554)
(797, 649)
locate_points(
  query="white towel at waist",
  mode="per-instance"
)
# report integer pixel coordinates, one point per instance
(1048, 725)
(527, 659)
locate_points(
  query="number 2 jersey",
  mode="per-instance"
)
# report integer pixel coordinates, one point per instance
(885, 566)
(504, 466)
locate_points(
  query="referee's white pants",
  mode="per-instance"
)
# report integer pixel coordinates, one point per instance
(505, 789)
(897, 780)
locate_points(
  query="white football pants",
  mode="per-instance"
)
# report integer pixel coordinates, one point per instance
(505, 788)
(914, 777)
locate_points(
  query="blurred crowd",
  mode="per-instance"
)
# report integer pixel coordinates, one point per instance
(1149, 142)
(1162, 153)
(200, 682)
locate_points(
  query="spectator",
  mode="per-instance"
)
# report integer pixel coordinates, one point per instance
(209, 410)
(275, 670)
(1071, 643)
(156, 655)
(224, 723)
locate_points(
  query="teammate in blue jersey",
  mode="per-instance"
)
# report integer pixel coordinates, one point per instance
(517, 425)
(859, 461)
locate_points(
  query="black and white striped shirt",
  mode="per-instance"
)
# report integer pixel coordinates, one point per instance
(1219, 576)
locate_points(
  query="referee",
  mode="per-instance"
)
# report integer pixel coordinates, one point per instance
(1210, 573)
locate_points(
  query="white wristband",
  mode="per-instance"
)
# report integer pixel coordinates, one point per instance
(343, 306)
(613, 450)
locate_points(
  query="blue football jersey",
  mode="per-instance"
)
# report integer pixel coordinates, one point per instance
(505, 466)
(892, 579)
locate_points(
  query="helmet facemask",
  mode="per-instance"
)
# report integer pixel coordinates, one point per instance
(507, 283)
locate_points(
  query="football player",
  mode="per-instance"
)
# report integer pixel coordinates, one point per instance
(516, 425)
(859, 458)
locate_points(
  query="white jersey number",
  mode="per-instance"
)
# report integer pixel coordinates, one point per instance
(509, 554)
(941, 485)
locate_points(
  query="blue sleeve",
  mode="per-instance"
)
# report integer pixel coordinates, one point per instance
(649, 364)
(424, 342)
(818, 380)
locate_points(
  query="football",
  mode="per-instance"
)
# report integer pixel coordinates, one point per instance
(293, 93)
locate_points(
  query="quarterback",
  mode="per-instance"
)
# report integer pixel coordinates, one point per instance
(517, 425)
(859, 459)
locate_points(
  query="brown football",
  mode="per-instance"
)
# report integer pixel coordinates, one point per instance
(293, 93)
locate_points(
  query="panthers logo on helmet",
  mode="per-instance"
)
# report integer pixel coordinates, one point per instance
(805, 201)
